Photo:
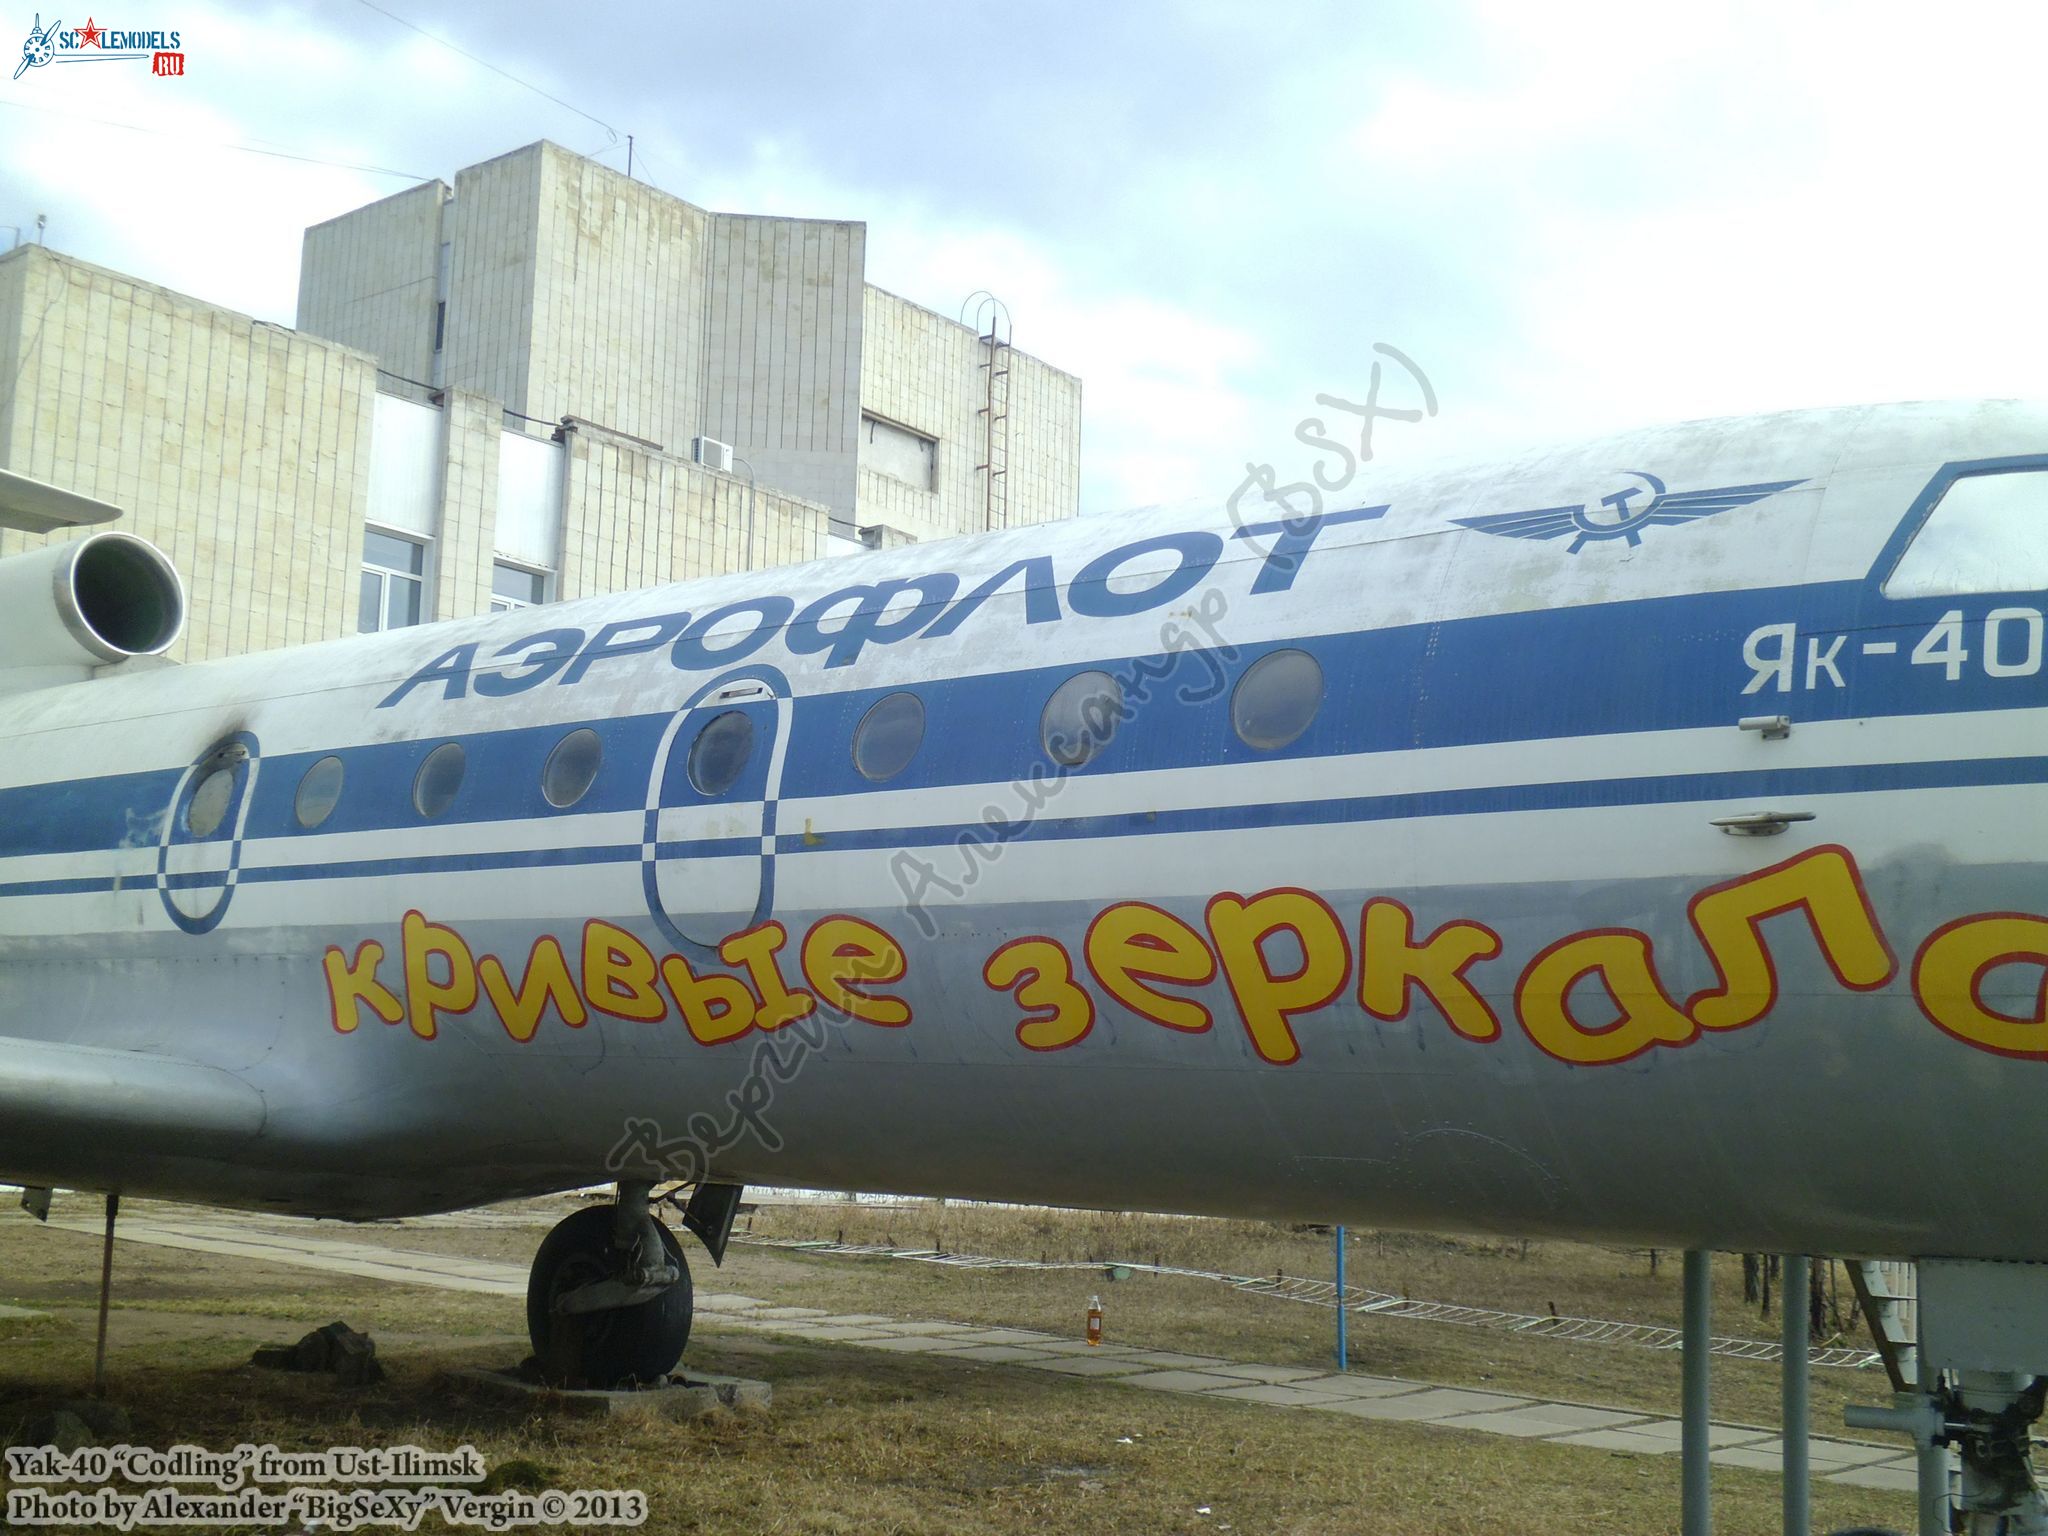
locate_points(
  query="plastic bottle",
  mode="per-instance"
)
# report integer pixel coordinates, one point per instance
(1094, 1320)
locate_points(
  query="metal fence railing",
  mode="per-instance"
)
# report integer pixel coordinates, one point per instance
(1359, 1301)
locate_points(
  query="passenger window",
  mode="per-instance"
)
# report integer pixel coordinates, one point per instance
(215, 792)
(571, 768)
(1276, 699)
(720, 752)
(319, 792)
(210, 802)
(1081, 718)
(888, 736)
(440, 776)
(1988, 533)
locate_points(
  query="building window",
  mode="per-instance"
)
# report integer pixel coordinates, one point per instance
(394, 590)
(514, 586)
(899, 453)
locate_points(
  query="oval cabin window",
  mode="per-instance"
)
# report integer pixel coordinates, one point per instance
(1276, 699)
(1081, 718)
(210, 802)
(720, 752)
(888, 736)
(572, 768)
(319, 793)
(440, 776)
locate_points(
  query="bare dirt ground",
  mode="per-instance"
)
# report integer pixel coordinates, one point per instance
(871, 1441)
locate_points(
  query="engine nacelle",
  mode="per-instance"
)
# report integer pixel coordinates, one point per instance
(71, 607)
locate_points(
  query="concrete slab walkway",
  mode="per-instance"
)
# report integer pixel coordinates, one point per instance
(1858, 1463)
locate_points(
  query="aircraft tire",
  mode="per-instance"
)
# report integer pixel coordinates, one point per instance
(618, 1347)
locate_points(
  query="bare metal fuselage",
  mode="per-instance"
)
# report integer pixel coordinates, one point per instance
(1468, 951)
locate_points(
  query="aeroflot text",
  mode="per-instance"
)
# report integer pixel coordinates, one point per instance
(841, 624)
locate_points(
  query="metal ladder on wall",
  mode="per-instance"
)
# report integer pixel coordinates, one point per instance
(992, 321)
(1888, 1293)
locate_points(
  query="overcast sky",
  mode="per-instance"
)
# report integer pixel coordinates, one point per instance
(1574, 217)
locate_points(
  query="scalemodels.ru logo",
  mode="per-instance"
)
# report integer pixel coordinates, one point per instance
(93, 43)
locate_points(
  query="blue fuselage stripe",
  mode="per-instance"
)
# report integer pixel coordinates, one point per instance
(1616, 668)
(1491, 800)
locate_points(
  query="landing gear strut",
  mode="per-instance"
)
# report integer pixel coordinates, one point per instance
(1988, 1417)
(1978, 1380)
(609, 1301)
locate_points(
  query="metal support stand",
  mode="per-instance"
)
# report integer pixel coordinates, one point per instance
(1796, 1414)
(1343, 1318)
(1932, 1486)
(1920, 1415)
(99, 1354)
(1696, 1514)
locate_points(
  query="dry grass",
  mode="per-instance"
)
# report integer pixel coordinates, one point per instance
(1533, 1276)
(868, 1441)
(1207, 1318)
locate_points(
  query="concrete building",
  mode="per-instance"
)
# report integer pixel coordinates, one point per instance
(393, 461)
(556, 284)
(303, 503)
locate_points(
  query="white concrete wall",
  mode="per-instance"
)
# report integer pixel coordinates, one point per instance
(782, 361)
(249, 453)
(924, 371)
(367, 279)
(493, 237)
(240, 448)
(633, 517)
(465, 540)
(575, 290)
(618, 320)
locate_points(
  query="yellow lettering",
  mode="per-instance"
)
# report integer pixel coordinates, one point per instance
(840, 951)
(1621, 957)
(1391, 965)
(1952, 967)
(1133, 943)
(1041, 975)
(547, 980)
(354, 982)
(1729, 919)
(426, 998)
(618, 974)
(1266, 999)
(757, 949)
(716, 1007)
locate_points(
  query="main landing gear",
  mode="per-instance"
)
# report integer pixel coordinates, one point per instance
(609, 1301)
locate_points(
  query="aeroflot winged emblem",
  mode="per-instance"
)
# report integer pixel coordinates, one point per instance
(1618, 516)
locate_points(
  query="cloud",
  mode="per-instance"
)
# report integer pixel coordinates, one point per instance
(1575, 217)
(167, 179)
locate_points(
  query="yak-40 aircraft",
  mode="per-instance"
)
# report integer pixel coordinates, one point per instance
(1643, 842)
